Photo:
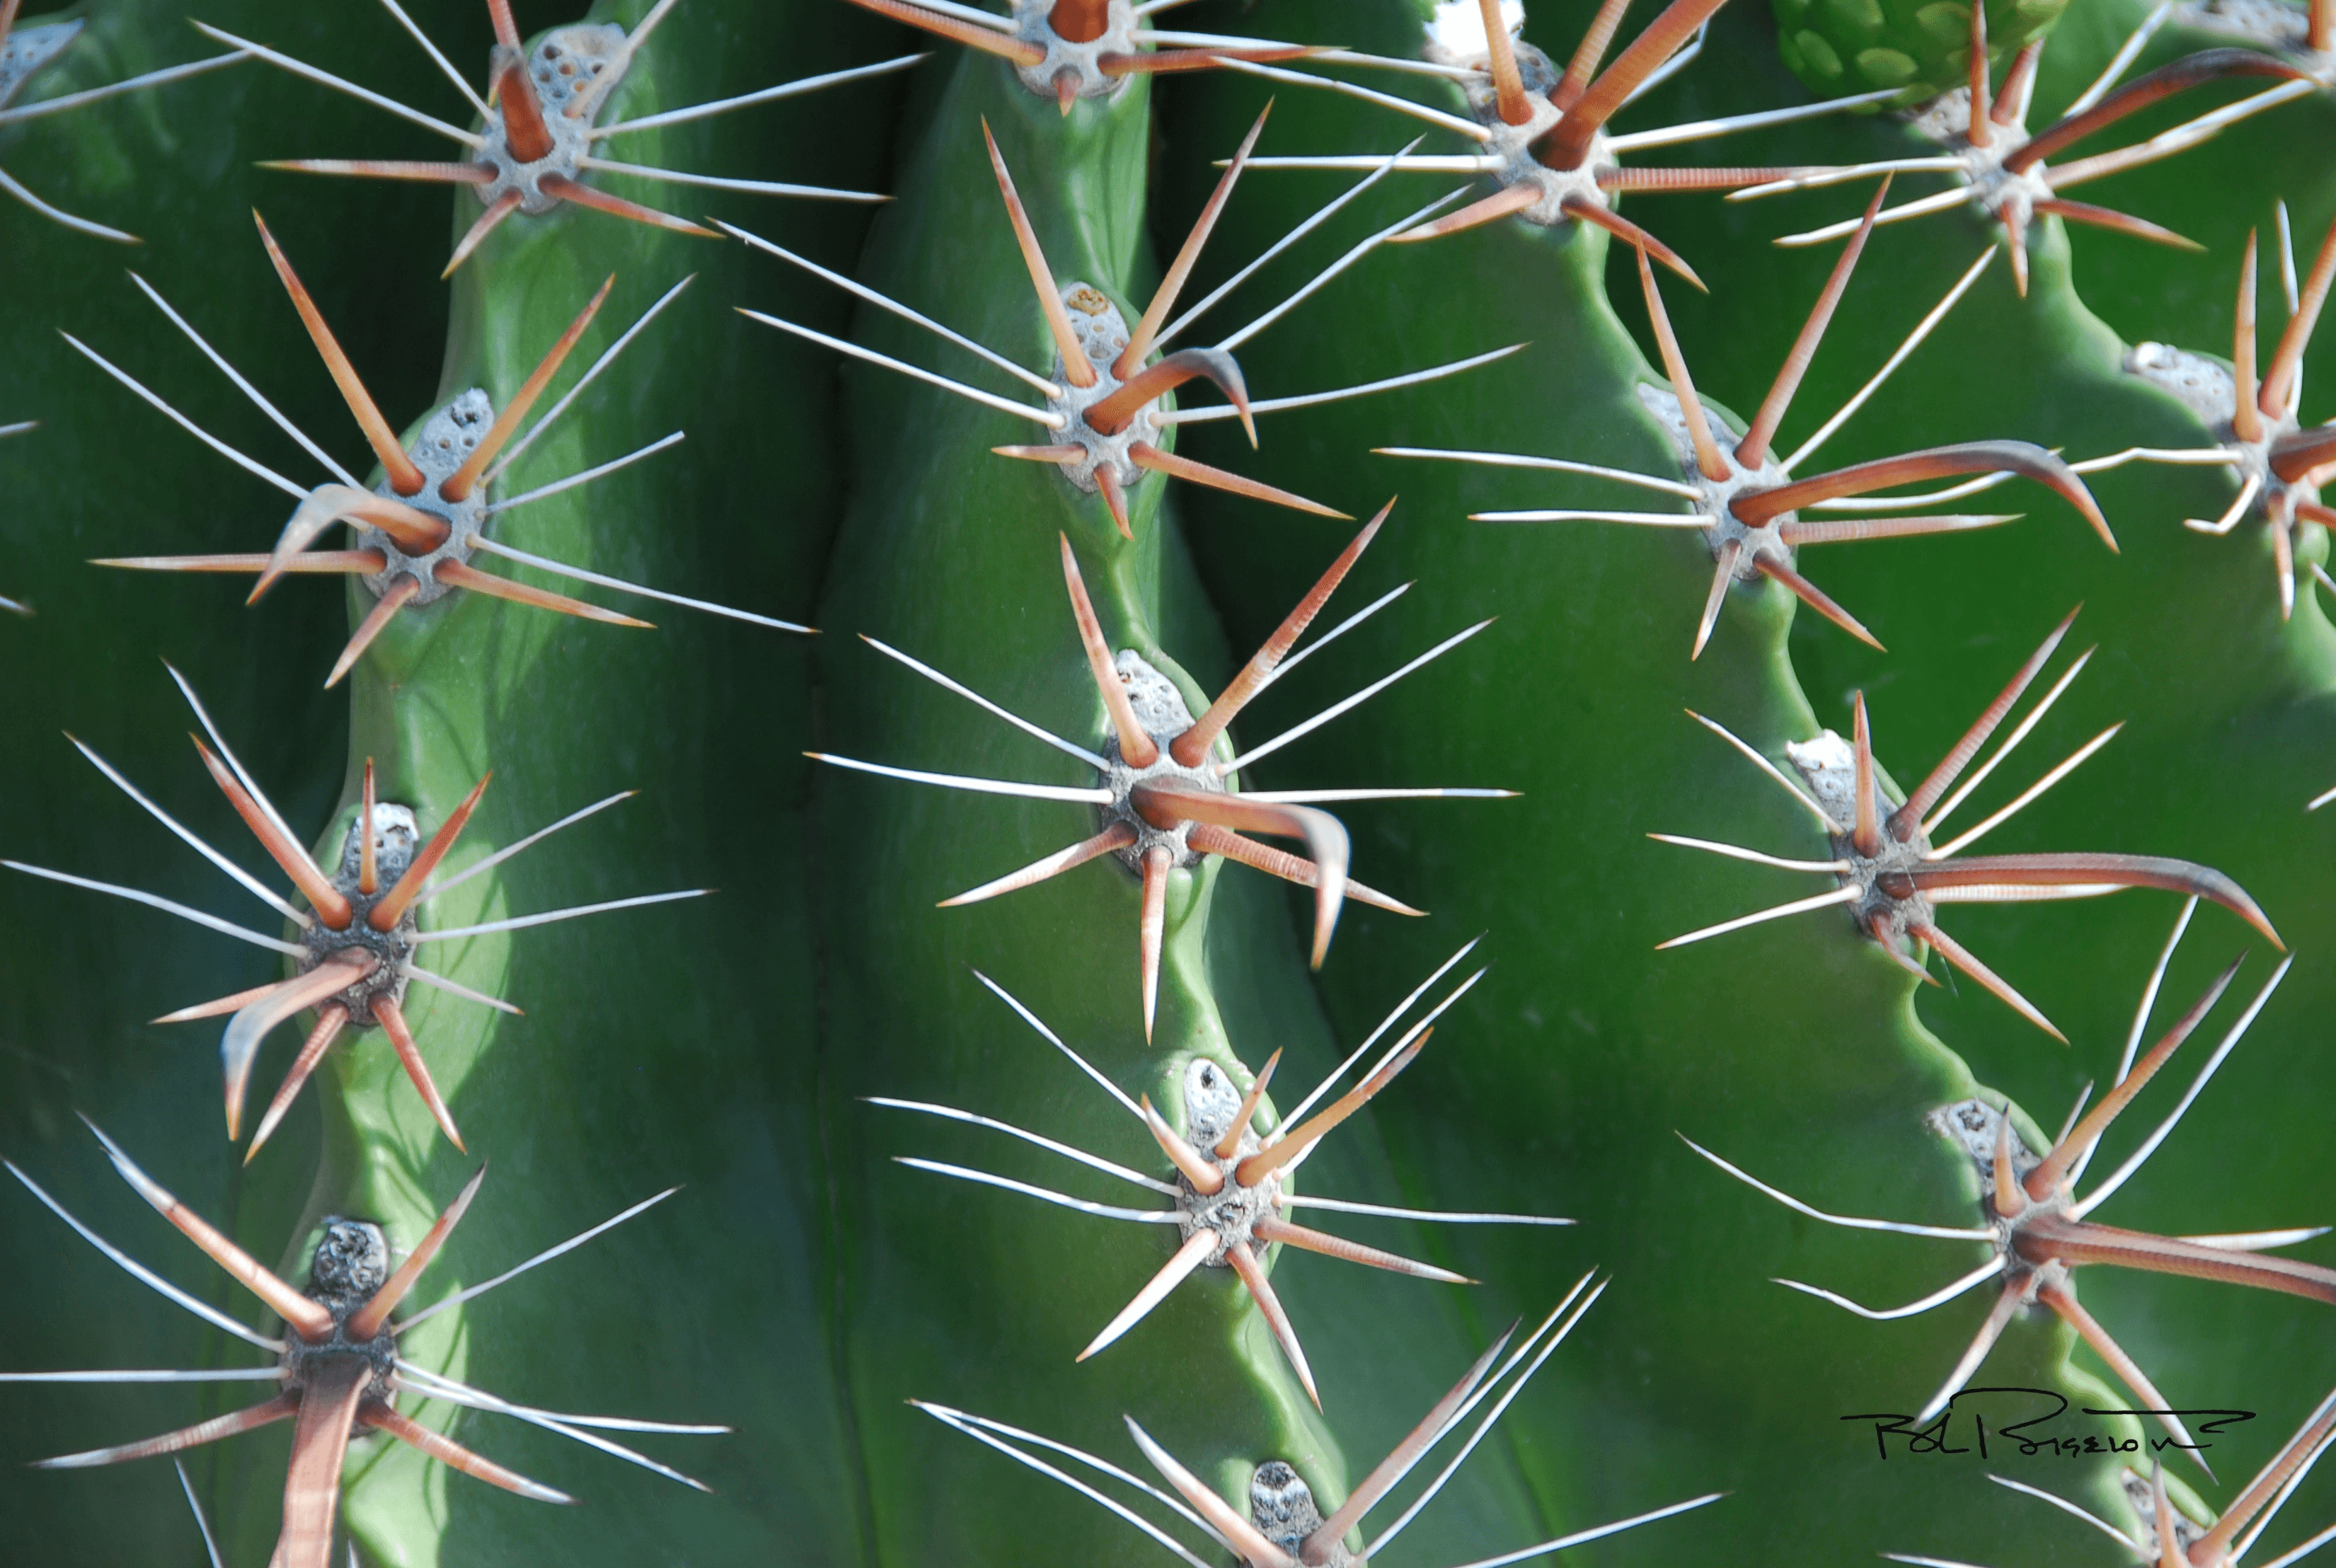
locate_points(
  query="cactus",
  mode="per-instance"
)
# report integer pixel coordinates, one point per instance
(748, 1149)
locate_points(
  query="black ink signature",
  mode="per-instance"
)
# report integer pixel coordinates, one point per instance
(1941, 1436)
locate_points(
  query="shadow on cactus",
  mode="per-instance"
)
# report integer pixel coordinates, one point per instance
(24, 53)
(358, 936)
(1164, 802)
(2166, 1538)
(2037, 1226)
(1231, 1186)
(1285, 1526)
(1893, 878)
(339, 1365)
(418, 528)
(1103, 400)
(538, 118)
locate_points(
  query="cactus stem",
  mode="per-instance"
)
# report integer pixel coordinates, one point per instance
(1113, 413)
(421, 547)
(2036, 1222)
(528, 158)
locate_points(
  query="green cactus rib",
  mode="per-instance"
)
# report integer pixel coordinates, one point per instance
(781, 1115)
(88, 662)
(1815, 1055)
(906, 1020)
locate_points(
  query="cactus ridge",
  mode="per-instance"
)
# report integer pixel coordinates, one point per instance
(358, 936)
(831, 989)
(339, 1362)
(1891, 875)
(1162, 788)
(540, 120)
(2035, 1223)
(1103, 400)
(1542, 134)
(1745, 499)
(417, 530)
(1230, 1185)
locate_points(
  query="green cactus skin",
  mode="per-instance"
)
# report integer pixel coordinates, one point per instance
(718, 1095)
(2230, 712)
(803, 1286)
(1842, 46)
(604, 1092)
(1029, 1286)
(171, 166)
(1801, 1045)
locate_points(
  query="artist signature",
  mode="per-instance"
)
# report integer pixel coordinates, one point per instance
(2031, 1410)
